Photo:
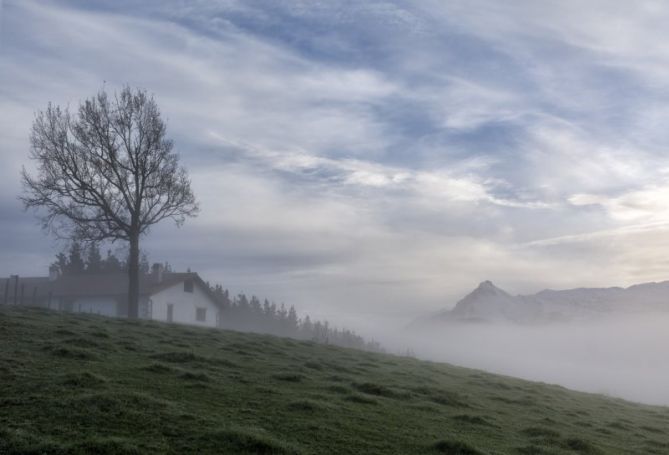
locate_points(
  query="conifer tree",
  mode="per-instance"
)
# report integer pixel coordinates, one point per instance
(93, 259)
(75, 261)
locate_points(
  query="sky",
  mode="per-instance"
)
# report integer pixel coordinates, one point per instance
(372, 161)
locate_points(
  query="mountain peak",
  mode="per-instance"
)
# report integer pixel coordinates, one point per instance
(486, 301)
(487, 284)
(487, 287)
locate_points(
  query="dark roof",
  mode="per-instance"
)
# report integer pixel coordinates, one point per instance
(97, 285)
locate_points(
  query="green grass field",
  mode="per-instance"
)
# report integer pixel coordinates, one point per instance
(85, 384)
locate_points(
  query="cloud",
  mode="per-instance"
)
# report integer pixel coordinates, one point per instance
(649, 204)
(376, 157)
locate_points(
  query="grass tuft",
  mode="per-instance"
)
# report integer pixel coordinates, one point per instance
(472, 420)
(105, 446)
(177, 357)
(305, 406)
(540, 432)
(534, 450)
(378, 390)
(84, 379)
(72, 353)
(241, 442)
(360, 399)
(194, 376)
(581, 446)
(288, 377)
(455, 448)
(159, 368)
(442, 397)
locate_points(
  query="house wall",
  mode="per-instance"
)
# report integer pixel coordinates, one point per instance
(184, 305)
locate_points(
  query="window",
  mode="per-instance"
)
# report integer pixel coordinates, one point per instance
(188, 285)
(200, 314)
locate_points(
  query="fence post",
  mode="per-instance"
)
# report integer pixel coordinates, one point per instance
(6, 291)
(23, 292)
(16, 289)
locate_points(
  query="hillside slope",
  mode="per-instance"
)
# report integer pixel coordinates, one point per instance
(85, 384)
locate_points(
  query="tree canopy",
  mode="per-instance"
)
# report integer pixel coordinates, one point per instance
(107, 172)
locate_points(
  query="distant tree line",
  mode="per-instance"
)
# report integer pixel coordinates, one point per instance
(78, 259)
(252, 315)
(238, 312)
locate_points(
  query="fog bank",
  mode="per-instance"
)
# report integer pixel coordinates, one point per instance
(622, 357)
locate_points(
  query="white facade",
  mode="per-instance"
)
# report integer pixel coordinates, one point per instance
(194, 308)
(183, 302)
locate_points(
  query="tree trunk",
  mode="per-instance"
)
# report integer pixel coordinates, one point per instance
(133, 277)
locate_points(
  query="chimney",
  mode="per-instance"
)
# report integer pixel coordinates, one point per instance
(54, 273)
(157, 273)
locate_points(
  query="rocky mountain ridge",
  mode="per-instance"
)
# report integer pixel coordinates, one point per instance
(489, 303)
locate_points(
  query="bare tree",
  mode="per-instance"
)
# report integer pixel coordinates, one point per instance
(107, 173)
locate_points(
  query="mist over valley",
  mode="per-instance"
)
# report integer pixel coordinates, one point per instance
(601, 340)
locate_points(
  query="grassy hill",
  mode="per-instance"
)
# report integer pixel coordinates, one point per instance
(85, 384)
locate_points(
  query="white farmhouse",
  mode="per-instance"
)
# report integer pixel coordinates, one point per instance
(164, 296)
